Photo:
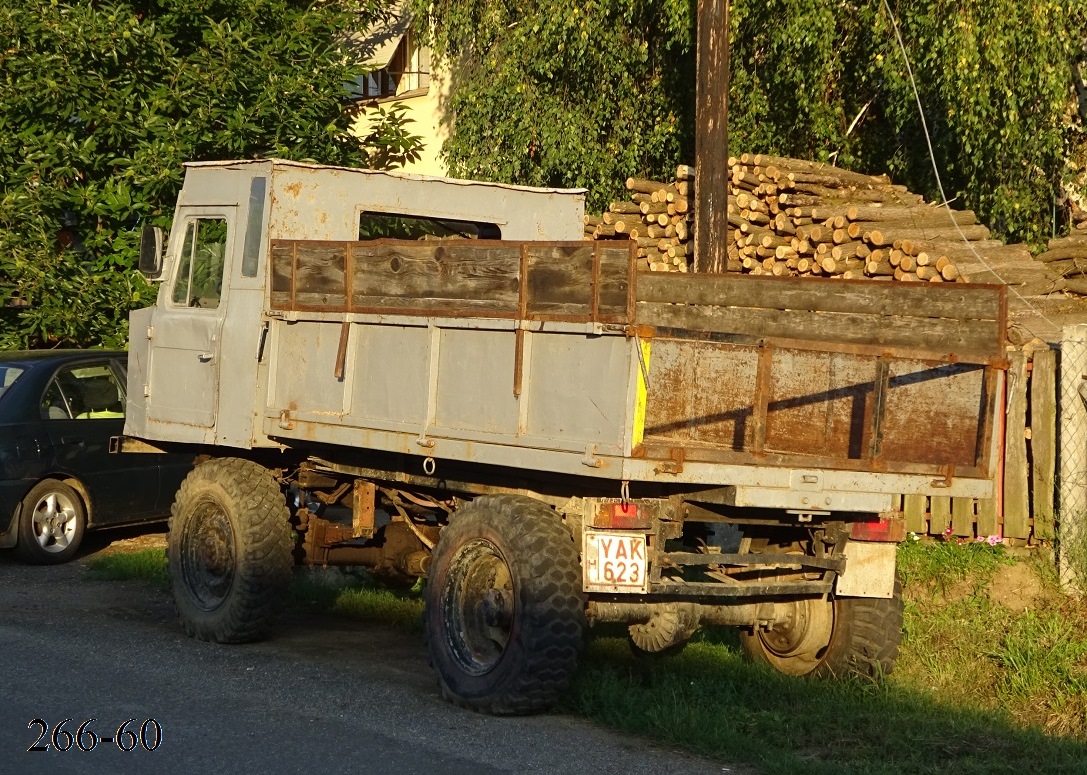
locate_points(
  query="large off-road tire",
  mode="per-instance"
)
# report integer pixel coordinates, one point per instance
(229, 551)
(51, 523)
(505, 614)
(833, 637)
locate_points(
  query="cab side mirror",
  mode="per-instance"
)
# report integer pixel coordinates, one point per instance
(151, 252)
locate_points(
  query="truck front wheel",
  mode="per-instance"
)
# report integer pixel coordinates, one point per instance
(832, 637)
(505, 615)
(229, 551)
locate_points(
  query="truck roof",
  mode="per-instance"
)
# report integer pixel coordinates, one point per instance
(275, 162)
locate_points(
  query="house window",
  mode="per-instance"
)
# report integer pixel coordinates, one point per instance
(408, 69)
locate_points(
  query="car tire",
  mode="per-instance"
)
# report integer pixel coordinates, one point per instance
(51, 523)
(229, 551)
(505, 614)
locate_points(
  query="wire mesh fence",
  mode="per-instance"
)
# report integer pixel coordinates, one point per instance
(1072, 479)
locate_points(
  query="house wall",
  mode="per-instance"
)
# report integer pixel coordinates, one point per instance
(425, 110)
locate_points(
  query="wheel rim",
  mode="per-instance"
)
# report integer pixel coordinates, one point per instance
(55, 521)
(797, 645)
(478, 607)
(207, 555)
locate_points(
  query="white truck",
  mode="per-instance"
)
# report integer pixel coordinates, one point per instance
(440, 378)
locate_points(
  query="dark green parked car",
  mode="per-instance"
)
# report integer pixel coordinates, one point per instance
(58, 410)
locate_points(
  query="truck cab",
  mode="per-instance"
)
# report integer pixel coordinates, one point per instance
(194, 351)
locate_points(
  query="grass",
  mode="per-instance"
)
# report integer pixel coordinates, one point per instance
(1074, 547)
(980, 686)
(967, 647)
(709, 701)
(366, 601)
(146, 564)
(363, 599)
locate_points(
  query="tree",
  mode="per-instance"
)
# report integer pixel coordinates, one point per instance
(102, 101)
(608, 86)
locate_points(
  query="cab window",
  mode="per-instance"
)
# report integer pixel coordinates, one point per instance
(199, 278)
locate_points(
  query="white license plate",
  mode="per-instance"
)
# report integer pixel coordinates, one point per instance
(614, 561)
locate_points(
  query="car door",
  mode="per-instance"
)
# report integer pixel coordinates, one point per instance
(83, 406)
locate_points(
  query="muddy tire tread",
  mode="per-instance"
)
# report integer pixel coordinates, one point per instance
(875, 635)
(553, 635)
(263, 542)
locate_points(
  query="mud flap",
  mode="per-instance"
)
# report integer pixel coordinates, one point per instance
(869, 570)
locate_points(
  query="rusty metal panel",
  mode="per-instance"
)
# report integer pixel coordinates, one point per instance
(932, 413)
(701, 392)
(669, 398)
(830, 409)
(818, 403)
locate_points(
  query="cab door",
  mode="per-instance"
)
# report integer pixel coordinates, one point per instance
(185, 333)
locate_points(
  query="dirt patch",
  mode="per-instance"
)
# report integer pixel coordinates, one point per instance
(933, 591)
(125, 539)
(1016, 585)
(1018, 588)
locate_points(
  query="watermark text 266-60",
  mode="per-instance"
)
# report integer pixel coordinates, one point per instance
(128, 736)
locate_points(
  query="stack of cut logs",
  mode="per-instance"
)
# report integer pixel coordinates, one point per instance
(659, 216)
(794, 217)
(1066, 257)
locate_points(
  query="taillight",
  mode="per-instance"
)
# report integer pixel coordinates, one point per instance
(622, 516)
(889, 529)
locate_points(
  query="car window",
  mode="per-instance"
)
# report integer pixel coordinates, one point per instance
(199, 279)
(83, 393)
(8, 375)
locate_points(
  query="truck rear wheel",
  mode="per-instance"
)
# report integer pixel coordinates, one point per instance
(505, 615)
(832, 637)
(229, 551)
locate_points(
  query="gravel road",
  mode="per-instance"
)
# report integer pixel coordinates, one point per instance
(323, 695)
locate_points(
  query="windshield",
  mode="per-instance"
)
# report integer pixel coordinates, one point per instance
(8, 374)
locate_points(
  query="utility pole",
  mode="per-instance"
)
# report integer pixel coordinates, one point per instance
(711, 137)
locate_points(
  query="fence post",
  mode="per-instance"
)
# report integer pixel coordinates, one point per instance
(1072, 502)
(1016, 471)
(1043, 439)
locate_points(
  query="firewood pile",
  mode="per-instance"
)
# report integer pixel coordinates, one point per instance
(659, 216)
(1066, 257)
(791, 217)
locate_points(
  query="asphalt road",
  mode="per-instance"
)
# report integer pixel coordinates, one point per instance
(324, 695)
